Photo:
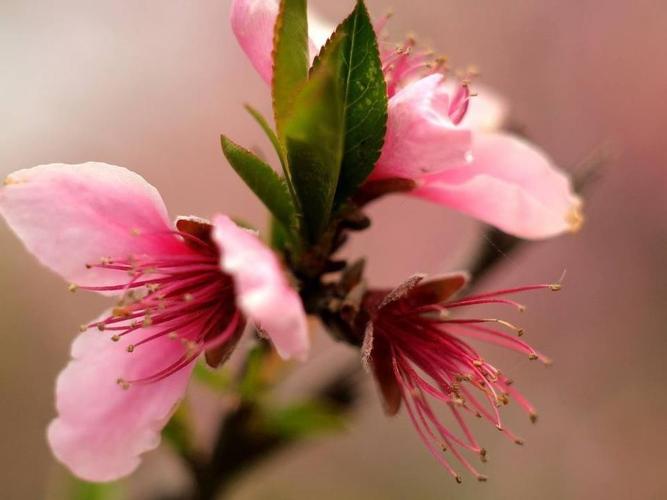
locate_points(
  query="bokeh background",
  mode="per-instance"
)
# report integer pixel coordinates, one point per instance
(150, 85)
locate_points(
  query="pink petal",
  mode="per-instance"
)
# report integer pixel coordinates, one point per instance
(72, 215)
(263, 292)
(421, 137)
(253, 23)
(511, 185)
(102, 429)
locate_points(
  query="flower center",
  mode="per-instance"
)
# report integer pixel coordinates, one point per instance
(180, 296)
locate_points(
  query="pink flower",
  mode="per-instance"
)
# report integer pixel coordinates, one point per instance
(442, 138)
(181, 292)
(419, 354)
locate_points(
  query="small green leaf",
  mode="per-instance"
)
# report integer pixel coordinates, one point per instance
(365, 100)
(217, 379)
(278, 236)
(177, 430)
(290, 58)
(82, 490)
(253, 382)
(280, 151)
(314, 141)
(262, 180)
(303, 420)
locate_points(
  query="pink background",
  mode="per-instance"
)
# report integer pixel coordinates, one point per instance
(150, 85)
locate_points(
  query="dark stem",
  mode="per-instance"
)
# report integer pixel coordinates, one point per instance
(243, 442)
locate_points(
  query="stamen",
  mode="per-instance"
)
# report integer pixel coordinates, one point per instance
(124, 384)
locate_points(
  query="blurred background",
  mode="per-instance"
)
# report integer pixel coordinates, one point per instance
(150, 85)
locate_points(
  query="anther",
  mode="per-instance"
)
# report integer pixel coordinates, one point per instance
(188, 297)
(120, 312)
(83, 328)
(533, 417)
(130, 348)
(172, 336)
(533, 357)
(478, 363)
(518, 441)
(482, 455)
(72, 287)
(519, 331)
(115, 338)
(458, 479)
(575, 219)
(482, 478)
(124, 384)
(135, 231)
(555, 287)
(101, 326)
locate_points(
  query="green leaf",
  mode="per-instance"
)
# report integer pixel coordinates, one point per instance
(314, 141)
(290, 58)
(177, 430)
(278, 236)
(280, 151)
(303, 420)
(82, 490)
(365, 100)
(217, 379)
(262, 180)
(253, 382)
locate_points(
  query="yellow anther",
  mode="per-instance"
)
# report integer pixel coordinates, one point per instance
(172, 336)
(120, 312)
(575, 219)
(9, 180)
(72, 287)
(83, 328)
(519, 331)
(124, 384)
(555, 287)
(478, 363)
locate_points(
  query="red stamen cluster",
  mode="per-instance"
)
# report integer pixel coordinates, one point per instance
(183, 296)
(419, 354)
